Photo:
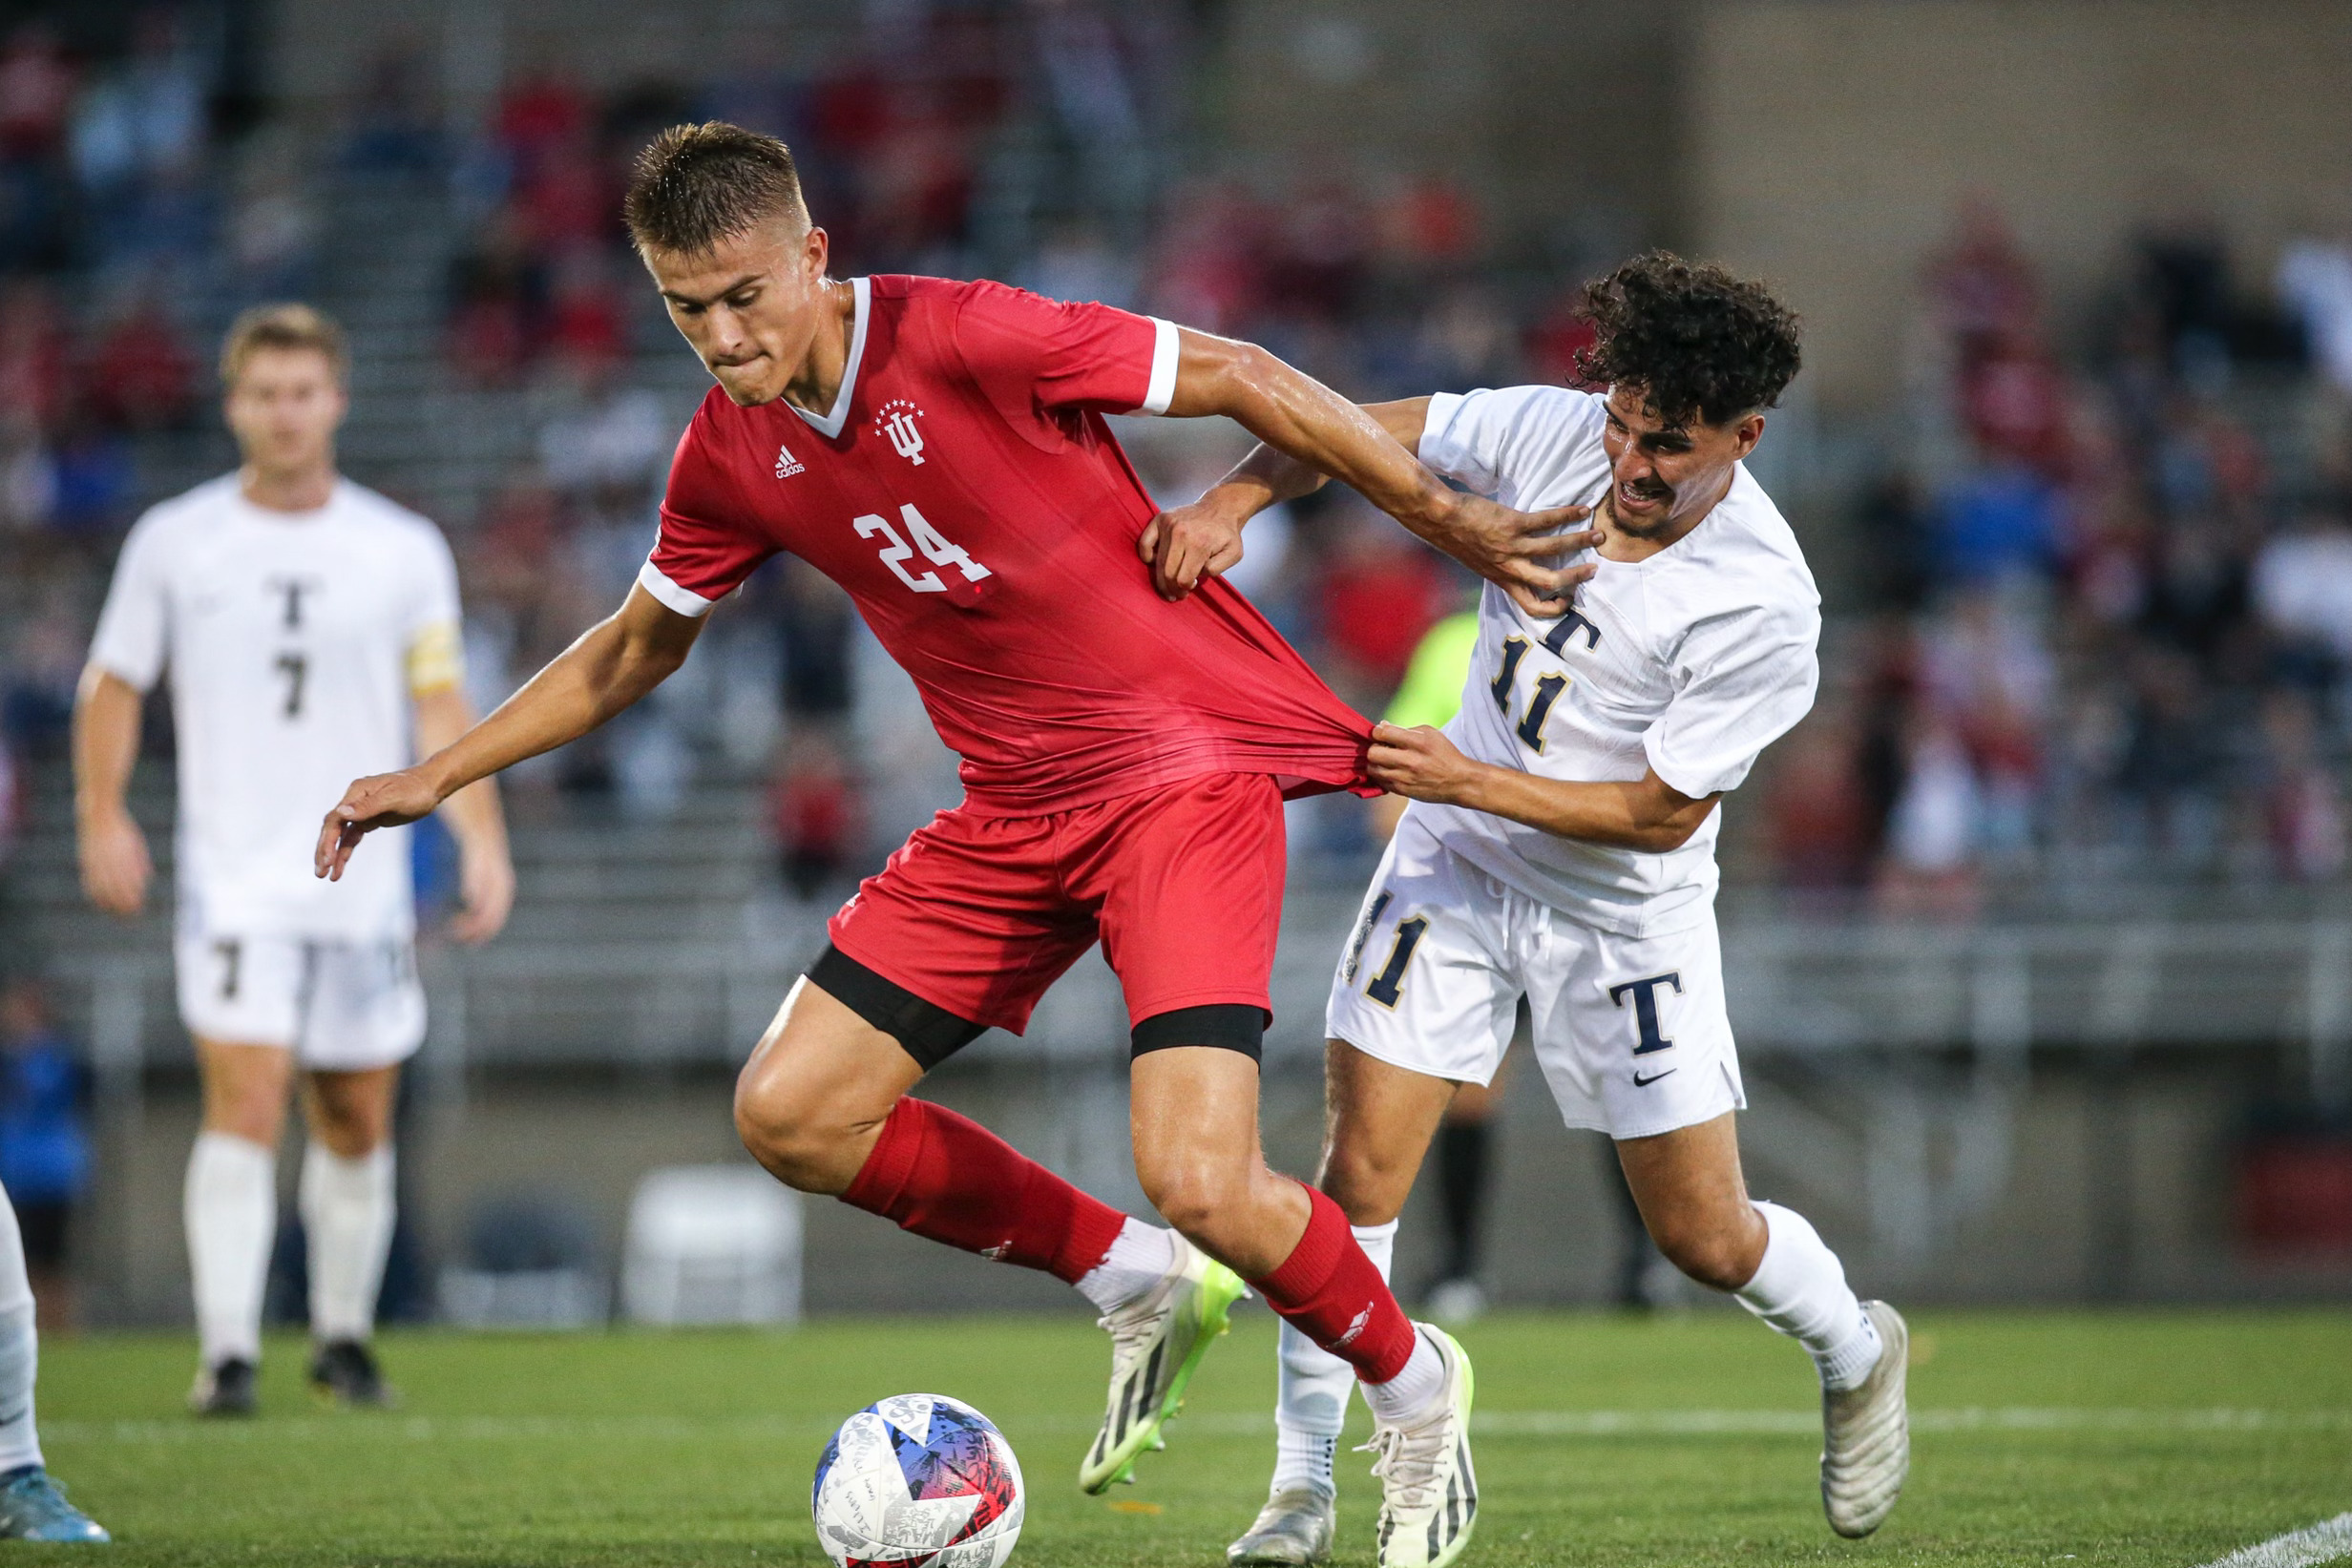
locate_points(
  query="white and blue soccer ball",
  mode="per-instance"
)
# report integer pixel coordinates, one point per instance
(917, 1480)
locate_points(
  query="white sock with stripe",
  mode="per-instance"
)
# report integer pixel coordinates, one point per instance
(1312, 1385)
(1800, 1289)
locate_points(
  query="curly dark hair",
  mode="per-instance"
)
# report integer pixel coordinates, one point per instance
(1696, 342)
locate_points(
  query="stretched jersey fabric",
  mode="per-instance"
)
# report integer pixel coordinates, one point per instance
(966, 491)
(294, 641)
(1690, 663)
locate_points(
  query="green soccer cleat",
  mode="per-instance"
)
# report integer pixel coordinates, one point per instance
(1429, 1493)
(1157, 1342)
(32, 1507)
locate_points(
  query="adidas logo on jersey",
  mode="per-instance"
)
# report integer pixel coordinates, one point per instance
(787, 465)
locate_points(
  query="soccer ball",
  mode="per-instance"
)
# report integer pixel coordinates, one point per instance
(917, 1480)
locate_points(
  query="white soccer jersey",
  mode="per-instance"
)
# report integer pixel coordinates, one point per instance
(294, 641)
(1690, 663)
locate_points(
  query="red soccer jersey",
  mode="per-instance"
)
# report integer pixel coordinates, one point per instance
(966, 491)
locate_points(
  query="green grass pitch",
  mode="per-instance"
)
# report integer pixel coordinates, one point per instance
(2157, 1439)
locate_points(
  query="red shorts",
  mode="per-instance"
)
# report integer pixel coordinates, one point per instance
(1183, 886)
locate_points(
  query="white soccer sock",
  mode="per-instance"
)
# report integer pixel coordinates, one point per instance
(347, 1211)
(230, 1210)
(1800, 1289)
(1312, 1385)
(1411, 1392)
(20, 1350)
(1139, 1258)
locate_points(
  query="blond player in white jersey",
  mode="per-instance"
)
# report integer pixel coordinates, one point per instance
(1561, 849)
(310, 629)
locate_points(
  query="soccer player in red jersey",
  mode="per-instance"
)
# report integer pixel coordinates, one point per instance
(938, 449)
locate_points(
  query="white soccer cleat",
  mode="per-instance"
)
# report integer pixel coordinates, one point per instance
(1866, 1435)
(1429, 1493)
(1157, 1342)
(1293, 1530)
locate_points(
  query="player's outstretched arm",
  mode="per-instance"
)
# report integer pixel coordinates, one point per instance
(1203, 540)
(114, 863)
(1646, 813)
(485, 868)
(614, 664)
(1305, 420)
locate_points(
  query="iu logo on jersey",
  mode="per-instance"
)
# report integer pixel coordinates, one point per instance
(787, 465)
(896, 419)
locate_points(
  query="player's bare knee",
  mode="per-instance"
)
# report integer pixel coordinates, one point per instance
(1714, 1257)
(781, 1126)
(1370, 1186)
(1203, 1202)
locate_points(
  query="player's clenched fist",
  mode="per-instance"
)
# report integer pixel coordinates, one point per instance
(1420, 764)
(1185, 544)
(383, 800)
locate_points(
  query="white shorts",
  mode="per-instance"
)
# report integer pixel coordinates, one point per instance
(1631, 1034)
(338, 1006)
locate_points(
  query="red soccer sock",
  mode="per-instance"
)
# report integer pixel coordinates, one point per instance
(951, 1179)
(1331, 1292)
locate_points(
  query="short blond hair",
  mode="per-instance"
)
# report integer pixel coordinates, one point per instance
(284, 326)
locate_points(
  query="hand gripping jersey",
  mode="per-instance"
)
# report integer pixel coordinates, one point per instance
(294, 641)
(966, 491)
(1690, 663)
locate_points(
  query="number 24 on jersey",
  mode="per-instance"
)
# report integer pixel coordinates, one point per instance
(936, 547)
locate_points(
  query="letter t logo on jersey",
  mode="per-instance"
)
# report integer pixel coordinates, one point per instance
(896, 419)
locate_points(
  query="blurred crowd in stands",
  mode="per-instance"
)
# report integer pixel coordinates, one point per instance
(2112, 633)
(2092, 606)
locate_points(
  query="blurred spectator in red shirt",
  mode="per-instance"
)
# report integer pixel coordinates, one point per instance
(1378, 592)
(1430, 225)
(2013, 399)
(587, 323)
(1982, 287)
(32, 352)
(495, 292)
(1322, 253)
(566, 202)
(37, 90)
(143, 374)
(819, 825)
(1210, 269)
(542, 114)
(1820, 816)
(1554, 340)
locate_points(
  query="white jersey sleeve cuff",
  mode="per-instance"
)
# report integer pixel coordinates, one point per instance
(685, 601)
(1166, 350)
(138, 678)
(1696, 786)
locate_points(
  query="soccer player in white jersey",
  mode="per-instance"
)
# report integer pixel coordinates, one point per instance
(311, 629)
(1561, 847)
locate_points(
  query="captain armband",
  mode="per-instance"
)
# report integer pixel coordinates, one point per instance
(436, 660)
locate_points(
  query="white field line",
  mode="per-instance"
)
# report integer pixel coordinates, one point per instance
(2324, 1542)
(1506, 1424)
